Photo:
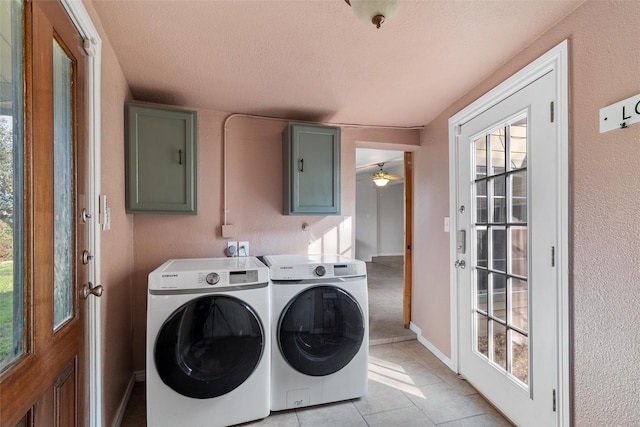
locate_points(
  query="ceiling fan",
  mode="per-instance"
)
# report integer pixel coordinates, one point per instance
(381, 178)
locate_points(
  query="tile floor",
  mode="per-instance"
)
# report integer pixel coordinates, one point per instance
(408, 385)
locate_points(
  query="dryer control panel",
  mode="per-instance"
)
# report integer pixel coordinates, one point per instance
(345, 269)
(304, 267)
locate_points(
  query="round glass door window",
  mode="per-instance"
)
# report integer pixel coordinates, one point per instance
(209, 346)
(321, 330)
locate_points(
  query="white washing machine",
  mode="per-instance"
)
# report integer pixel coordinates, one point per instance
(208, 342)
(320, 341)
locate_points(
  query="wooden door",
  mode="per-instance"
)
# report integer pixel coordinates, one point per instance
(43, 384)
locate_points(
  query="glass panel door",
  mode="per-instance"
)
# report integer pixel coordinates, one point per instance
(506, 199)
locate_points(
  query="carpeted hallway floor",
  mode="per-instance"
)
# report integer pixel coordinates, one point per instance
(386, 285)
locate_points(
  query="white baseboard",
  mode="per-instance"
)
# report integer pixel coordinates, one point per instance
(432, 348)
(123, 403)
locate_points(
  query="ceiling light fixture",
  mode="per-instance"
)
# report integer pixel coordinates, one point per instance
(375, 11)
(380, 181)
(381, 178)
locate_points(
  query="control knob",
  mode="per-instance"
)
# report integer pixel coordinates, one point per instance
(320, 271)
(213, 278)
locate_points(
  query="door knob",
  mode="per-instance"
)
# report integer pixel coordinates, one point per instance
(89, 289)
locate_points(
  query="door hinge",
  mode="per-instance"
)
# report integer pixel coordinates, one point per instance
(554, 400)
(552, 111)
(553, 256)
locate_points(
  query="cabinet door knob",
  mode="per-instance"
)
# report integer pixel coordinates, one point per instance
(179, 157)
(301, 165)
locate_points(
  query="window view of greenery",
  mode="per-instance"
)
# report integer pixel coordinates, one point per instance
(11, 141)
(6, 239)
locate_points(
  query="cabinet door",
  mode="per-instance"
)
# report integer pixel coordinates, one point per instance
(161, 160)
(312, 175)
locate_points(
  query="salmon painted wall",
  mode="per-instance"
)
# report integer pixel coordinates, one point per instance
(604, 64)
(116, 244)
(254, 203)
(430, 308)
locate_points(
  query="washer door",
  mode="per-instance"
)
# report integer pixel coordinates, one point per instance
(209, 346)
(320, 330)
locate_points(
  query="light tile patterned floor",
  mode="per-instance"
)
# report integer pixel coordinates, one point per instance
(408, 386)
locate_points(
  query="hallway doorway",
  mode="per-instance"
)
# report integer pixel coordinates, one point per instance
(380, 241)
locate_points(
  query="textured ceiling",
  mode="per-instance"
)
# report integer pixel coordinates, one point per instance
(313, 59)
(368, 159)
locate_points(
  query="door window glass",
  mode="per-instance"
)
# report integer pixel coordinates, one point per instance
(11, 182)
(321, 330)
(63, 183)
(501, 261)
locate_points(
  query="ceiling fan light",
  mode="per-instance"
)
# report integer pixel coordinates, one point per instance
(380, 182)
(375, 11)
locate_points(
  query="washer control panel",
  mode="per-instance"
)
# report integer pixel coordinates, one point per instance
(207, 273)
(242, 277)
(213, 278)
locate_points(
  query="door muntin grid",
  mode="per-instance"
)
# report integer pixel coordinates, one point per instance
(500, 236)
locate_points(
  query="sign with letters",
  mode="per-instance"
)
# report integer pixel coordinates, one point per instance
(620, 115)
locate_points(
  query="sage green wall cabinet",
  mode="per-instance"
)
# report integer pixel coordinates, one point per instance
(161, 159)
(311, 158)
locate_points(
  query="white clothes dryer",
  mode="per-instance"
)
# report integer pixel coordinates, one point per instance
(208, 342)
(320, 344)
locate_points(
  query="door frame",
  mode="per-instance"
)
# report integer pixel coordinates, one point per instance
(408, 239)
(555, 59)
(93, 49)
(407, 252)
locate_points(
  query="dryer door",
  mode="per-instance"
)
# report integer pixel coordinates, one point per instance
(321, 330)
(209, 346)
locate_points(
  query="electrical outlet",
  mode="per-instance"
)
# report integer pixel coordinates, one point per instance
(243, 248)
(232, 249)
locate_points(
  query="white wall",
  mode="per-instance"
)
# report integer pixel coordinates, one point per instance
(391, 219)
(379, 220)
